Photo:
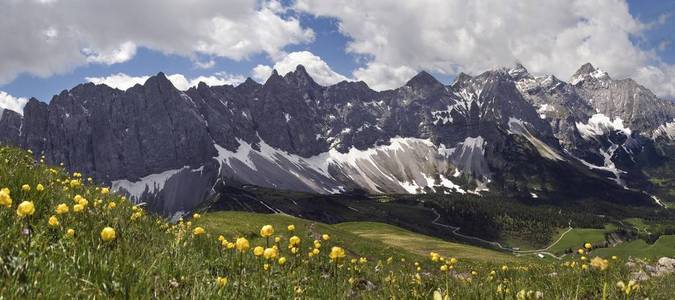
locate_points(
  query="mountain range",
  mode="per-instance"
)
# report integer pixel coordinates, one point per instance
(503, 132)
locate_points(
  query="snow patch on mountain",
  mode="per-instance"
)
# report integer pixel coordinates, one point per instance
(666, 130)
(600, 124)
(545, 108)
(469, 157)
(596, 74)
(404, 165)
(151, 184)
(442, 116)
(520, 127)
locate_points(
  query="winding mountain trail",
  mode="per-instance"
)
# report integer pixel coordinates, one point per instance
(543, 251)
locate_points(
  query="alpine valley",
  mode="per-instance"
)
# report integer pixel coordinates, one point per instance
(503, 133)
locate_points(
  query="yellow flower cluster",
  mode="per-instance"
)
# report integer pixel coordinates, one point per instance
(5, 198)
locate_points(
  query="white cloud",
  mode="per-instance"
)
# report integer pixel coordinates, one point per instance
(47, 37)
(119, 81)
(10, 102)
(125, 52)
(182, 83)
(315, 66)
(123, 81)
(452, 36)
(382, 77)
(261, 72)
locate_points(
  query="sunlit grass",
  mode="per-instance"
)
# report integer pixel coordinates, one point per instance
(62, 237)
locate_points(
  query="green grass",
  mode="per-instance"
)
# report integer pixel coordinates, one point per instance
(577, 237)
(664, 246)
(235, 223)
(422, 244)
(151, 259)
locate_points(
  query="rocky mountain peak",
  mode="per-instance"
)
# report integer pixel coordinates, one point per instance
(423, 80)
(300, 78)
(518, 71)
(585, 69)
(588, 71)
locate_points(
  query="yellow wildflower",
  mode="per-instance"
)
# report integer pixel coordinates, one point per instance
(62, 209)
(270, 253)
(78, 208)
(599, 263)
(196, 216)
(105, 191)
(294, 240)
(258, 251)
(25, 188)
(628, 288)
(316, 251)
(242, 244)
(282, 261)
(25, 209)
(5, 199)
(221, 281)
(108, 234)
(70, 232)
(112, 205)
(291, 228)
(325, 237)
(266, 231)
(198, 231)
(53, 221)
(588, 246)
(336, 253)
(40, 187)
(74, 183)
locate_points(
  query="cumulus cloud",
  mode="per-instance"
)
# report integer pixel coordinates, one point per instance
(47, 37)
(320, 71)
(182, 83)
(123, 53)
(119, 81)
(382, 77)
(10, 102)
(123, 81)
(452, 36)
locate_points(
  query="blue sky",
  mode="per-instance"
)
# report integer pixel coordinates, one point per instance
(347, 52)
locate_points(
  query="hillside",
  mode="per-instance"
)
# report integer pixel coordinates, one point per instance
(64, 238)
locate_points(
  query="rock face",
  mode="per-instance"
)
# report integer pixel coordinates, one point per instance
(502, 131)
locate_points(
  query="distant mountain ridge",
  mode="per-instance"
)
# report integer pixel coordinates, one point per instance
(503, 131)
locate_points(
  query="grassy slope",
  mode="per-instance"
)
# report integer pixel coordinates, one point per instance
(233, 223)
(152, 259)
(422, 244)
(577, 237)
(664, 246)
